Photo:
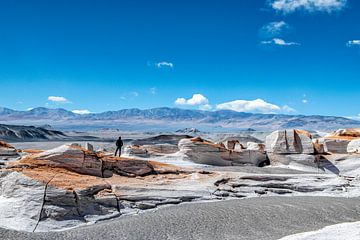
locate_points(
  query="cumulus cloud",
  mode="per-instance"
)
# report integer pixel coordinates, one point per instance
(57, 99)
(82, 111)
(290, 6)
(352, 43)
(197, 99)
(164, 64)
(257, 105)
(274, 29)
(279, 42)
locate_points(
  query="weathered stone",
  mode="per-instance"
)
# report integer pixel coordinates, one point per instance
(318, 146)
(289, 142)
(89, 147)
(203, 152)
(161, 148)
(353, 146)
(145, 205)
(336, 145)
(127, 167)
(6, 150)
(21, 199)
(70, 157)
(234, 145)
(137, 151)
(255, 146)
(286, 159)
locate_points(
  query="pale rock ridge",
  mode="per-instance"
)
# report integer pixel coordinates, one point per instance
(203, 152)
(289, 142)
(353, 146)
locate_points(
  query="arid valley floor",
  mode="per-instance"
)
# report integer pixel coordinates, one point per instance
(182, 185)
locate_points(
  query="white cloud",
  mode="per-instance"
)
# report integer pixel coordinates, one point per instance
(164, 65)
(57, 99)
(290, 6)
(82, 111)
(197, 99)
(353, 43)
(257, 105)
(305, 101)
(279, 42)
(274, 29)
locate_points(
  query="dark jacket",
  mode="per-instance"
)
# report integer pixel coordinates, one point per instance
(119, 143)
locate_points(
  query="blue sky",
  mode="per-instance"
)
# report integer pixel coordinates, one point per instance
(282, 56)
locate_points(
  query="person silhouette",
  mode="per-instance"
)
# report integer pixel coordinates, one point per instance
(119, 145)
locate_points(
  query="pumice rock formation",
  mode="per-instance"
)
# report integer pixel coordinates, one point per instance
(338, 141)
(204, 152)
(291, 147)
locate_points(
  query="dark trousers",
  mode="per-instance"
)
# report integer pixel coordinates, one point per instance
(118, 149)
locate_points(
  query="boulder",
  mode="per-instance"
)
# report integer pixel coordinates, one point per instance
(69, 157)
(234, 145)
(203, 152)
(136, 150)
(334, 145)
(353, 146)
(289, 142)
(38, 206)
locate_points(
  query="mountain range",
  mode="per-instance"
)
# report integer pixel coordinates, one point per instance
(223, 119)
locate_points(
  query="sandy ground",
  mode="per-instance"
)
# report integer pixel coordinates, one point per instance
(256, 218)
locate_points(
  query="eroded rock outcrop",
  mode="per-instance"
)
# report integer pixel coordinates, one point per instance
(204, 152)
(293, 148)
(7, 150)
(338, 141)
(289, 142)
(353, 146)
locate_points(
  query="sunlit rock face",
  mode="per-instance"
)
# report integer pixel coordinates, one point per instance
(338, 141)
(292, 148)
(203, 152)
(70, 157)
(353, 146)
(289, 142)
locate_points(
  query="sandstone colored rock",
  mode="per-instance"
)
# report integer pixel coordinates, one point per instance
(6, 150)
(69, 157)
(289, 142)
(353, 146)
(350, 132)
(204, 152)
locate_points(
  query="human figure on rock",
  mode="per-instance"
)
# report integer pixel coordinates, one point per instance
(119, 145)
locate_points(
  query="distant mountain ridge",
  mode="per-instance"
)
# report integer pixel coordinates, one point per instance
(222, 118)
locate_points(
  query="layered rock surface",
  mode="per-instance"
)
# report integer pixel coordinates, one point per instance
(203, 152)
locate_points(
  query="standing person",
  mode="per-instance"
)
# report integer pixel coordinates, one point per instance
(119, 144)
